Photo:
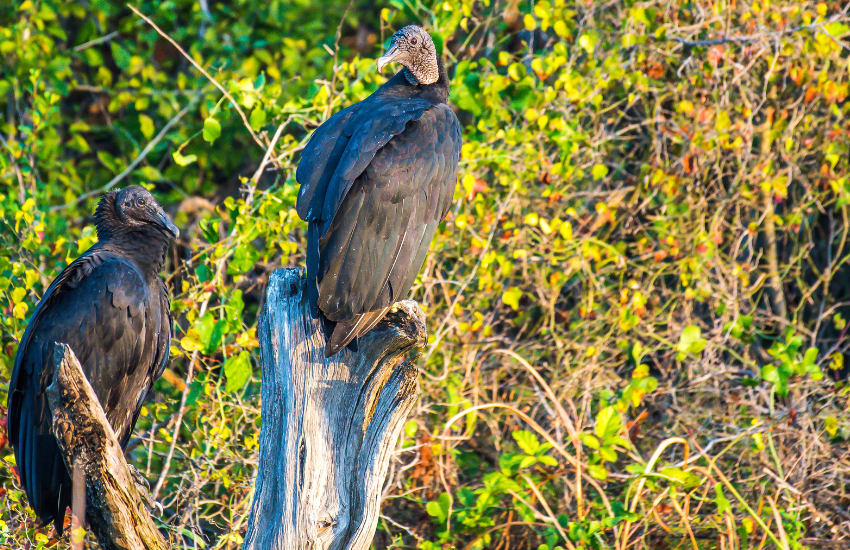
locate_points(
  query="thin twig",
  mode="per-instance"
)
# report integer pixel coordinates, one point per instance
(206, 74)
(549, 511)
(336, 44)
(220, 266)
(753, 37)
(96, 41)
(266, 158)
(148, 148)
(439, 332)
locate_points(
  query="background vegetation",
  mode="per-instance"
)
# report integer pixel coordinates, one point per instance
(638, 304)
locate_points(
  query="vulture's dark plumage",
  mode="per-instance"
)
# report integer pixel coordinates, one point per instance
(112, 308)
(376, 180)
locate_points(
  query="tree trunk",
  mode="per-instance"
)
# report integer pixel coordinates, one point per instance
(329, 426)
(116, 513)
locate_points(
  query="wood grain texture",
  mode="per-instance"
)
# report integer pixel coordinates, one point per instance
(329, 426)
(116, 513)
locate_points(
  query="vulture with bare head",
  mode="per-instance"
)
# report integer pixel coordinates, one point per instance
(376, 180)
(112, 308)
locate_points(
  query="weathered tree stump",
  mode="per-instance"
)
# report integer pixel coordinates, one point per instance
(329, 426)
(116, 513)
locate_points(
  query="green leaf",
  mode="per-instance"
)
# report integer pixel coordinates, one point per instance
(120, 55)
(527, 461)
(411, 428)
(434, 510)
(690, 342)
(212, 129)
(209, 227)
(548, 460)
(777, 376)
(680, 476)
(720, 500)
(608, 423)
(257, 118)
(194, 536)
(809, 357)
(598, 472)
(526, 441)
(194, 391)
(237, 370)
(439, 508)
(244, 258)
(589, 441)
(608, 454)
(837, 29)
(183, 161)
(209, 332)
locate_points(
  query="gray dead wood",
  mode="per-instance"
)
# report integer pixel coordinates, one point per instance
(329, 426)
(116, 513)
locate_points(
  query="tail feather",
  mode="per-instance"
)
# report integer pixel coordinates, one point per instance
(42, 470)
(347, 331)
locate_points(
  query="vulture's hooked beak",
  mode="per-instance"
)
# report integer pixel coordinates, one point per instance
(392, 55)
(166, 223)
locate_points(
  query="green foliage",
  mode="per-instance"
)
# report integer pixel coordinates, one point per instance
(657, 229)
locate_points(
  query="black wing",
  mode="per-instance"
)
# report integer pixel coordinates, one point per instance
(100, 306)
(367, 255)
(341, 149)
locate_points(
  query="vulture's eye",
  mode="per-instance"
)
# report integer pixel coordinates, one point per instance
(140, 202)
(414, 40)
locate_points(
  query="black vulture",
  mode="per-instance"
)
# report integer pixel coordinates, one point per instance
(113, 309)
(376, 180)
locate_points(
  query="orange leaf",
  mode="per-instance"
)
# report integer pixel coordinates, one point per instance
(811, 94)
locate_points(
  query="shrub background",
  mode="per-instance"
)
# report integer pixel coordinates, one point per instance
(647, 257)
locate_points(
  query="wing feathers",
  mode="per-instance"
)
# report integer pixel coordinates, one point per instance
(394, 174)
(102, 307)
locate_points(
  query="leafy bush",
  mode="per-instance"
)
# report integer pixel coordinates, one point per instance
(637, 305)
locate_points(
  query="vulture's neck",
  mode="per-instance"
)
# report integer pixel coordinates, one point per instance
(144, 245)
(438, 92)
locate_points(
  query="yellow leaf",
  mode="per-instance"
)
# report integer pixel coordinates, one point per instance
(831, 425)
(511, 297)
(599, 171)
(20, 310)
(560, 29)
(18, 294)
(190, 342)
(468, 183)
(146, 125)
(587, 42)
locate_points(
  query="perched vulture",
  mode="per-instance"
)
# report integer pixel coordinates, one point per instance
(112, 308)
(376, 180)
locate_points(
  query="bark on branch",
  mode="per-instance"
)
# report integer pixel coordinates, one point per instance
(329, 426)
(115, 511)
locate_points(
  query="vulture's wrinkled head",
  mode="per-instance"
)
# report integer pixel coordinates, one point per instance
(413, 48)
(132, 208)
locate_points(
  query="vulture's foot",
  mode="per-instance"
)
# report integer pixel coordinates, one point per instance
(144, 489)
